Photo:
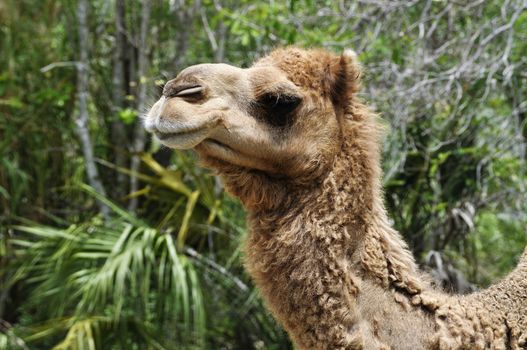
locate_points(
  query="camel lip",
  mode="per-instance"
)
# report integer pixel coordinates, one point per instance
(168, 135)
(177, 132)
(182, 139)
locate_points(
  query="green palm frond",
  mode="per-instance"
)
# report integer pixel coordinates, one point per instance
(87, 333)
(115, 269)
(138, 283)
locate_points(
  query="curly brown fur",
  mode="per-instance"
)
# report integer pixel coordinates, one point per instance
(321, 250)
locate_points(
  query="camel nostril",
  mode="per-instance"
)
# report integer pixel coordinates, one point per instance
(172, 90)
(190, 91)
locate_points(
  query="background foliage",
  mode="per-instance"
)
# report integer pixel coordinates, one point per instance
(155, 263)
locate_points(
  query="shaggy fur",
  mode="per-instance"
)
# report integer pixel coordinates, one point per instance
(321, 250)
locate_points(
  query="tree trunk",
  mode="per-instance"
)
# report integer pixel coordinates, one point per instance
(119, 137)
(81, 121)
(221, 35)
(139, 133)
(185, 16)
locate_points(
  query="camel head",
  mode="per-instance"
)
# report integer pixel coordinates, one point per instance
(281, 117)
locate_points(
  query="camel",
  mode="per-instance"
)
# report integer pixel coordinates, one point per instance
(293, 141)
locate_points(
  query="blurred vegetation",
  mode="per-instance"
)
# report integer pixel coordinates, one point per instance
(165, 272)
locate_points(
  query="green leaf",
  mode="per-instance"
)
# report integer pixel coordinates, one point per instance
(127, 116)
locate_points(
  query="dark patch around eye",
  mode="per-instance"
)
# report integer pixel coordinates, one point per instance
(277, 109)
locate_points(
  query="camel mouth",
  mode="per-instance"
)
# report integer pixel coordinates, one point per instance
(182, 139)
(179, 135)
(233, 155)
(219, 146)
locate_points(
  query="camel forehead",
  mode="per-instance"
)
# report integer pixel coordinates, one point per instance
(212, 73)
(305, 68)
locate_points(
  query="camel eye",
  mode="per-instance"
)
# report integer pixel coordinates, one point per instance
(278, 108)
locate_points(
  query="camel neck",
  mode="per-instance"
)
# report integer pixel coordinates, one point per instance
(316, 255)
(345, 210)
(345, 215)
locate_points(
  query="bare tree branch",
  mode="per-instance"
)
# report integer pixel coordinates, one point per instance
(81, 121)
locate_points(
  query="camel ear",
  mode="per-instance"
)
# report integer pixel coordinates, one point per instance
(344, 77)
